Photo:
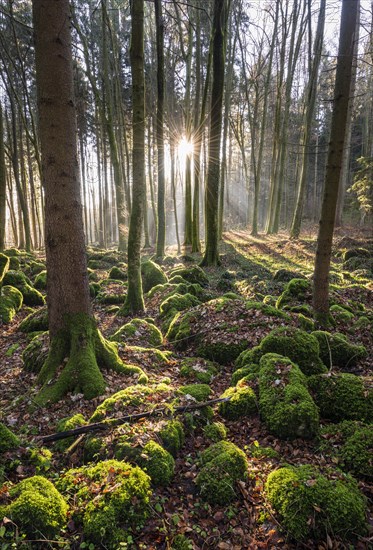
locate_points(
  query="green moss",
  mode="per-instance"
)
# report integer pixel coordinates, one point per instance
(356, 253)
(31, 296)
(4, 266)
(37, 508)
(340, 314)
(296, 291)
(118, 274)
(41, 281)
(223, 464)
(65, 424)
(152, 275)
(311, 506)
(298, 345)
(351, 443)
(248, 357)
(138, 331)
(41, 458)
(94, 448)
(305, 323)
(340, 396)
(221, 352)
(336, 350)
(132, 396)
(285, 275)
(124, 492)
(35, 322)
(285, 404)
(172, 436)
(363, 323)
(257, 451)
(243, 372)
(36, 352)
(8, 440)
(176, 279)
(198, 369)
(199, 392)
(178, 302)
(216, 431)
(193, 274)
(158, 464)
(10, 302)
(242, 403)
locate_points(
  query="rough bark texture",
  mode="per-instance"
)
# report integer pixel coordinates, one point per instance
(135, 300)
(350, 10)
(72, 328)
(2, 183)
(211, 255)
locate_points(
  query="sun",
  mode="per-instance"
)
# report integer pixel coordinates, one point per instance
(184, 148)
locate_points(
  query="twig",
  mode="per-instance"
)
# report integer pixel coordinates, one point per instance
(112, 423)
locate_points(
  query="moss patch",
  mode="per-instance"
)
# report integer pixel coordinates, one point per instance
(68, 423)
(172, 436)
(35, 322)
(199, 392)
(158, 464)
(138, 331)
(198, 369)
(8, 440)
(31, 296)
(10, 302)
(242, 403)
(36, 352)
(297, 291)
(336, 350)
(216, 431)
(152, 275)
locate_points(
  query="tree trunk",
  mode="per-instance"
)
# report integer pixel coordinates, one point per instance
(2, 183)
(72, 328)
(211, 255)
(350, 10)
(135, 300)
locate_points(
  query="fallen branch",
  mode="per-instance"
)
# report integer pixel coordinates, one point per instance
(109, 424)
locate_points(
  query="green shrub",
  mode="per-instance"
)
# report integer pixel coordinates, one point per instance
(172, 436)
(37, 508)
(124, 492)
(340, 396)
(285, 404)
(152, 275)
(223, 464)
(31, 296)
(8, 440)
(312, 506)
(242, 403)
(336, 350)
(138, 331)
(216, 431)
(10, 302)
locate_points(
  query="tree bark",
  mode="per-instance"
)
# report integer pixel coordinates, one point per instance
(2, 183)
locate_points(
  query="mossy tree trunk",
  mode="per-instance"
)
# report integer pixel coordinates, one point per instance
(211, 254)
(2, 182)
(342, 89)
(74, 337)
(135, 300)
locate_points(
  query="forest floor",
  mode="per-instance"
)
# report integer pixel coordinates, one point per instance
(248, 267)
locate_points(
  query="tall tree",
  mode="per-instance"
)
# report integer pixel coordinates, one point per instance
(211, 254)
(350, 11)
(2, 182)
(135, 300)
(72, 329)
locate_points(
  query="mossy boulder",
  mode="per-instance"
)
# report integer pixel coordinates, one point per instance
(36, 353)
(158, 463)
(40, 282)
(341, 314)
(356, 253)
(243, 372)
(110, 292)
(94, 448)
(124, 492)
(138, 331)
(4, 266)
(68, 423)
(341, 396)
(178, 302)
(11, 300)
(199, 392)
(8, 440)
(285, 403)
(242, 402)
(36, 508)
(286, 275)
(223, 465)
(336, 350)
(216, 431)
(35, 322)
(351, 444)
(152, 275)
(31, 296)
(311, 505)
(118, 274)
(297, 291)
(172, 436)
(198, 369)
(248, 357)
(194, 274)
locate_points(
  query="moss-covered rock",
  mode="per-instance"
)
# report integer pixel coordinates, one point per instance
(111, 292)
(33, 268)
(248, 357)
(40, 458)
(312, 506)
(341, 314)
(138, 331)
(36, 353)
(223, 464)
(65, 424)
(124, 492)
(286, 275)
(285, 403)
(11, 300)
(242, 372)
(8, 440)
(216, 431)
(193, 274)
(31, 296)
(336, 350)
(40, 282)
(35, 322)
(198, 369)
(152, 275)
(4, 266)
(37, 508)
(199, 392)
(172, 436)
(158, 463)
(297, 291)
(351, 443)
(341, 396)
(242, 402)
(356, 253)
(118, 274)
(178, 302)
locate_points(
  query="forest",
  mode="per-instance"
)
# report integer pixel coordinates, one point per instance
(186, 274)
